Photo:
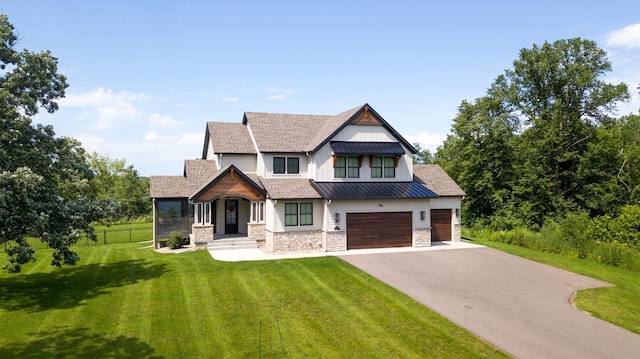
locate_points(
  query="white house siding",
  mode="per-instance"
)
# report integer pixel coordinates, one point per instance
(302, 165)
(245, 163)
(210, 154)
(365, 133)
(324, 159)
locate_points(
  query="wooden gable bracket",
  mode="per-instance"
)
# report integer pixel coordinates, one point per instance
(397, 159)
(232, 172)
(360, 160)
(366, 112)
(371, 160)
(335, 158)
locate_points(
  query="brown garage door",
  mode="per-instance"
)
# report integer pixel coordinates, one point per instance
(378, 230)
(440, 225)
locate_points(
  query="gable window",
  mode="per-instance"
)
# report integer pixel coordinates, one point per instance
(383, 167)
(346, 167)
(282, 165)
(298, 214)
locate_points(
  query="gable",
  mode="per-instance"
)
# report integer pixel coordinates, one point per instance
(230, 182)
(365, 118)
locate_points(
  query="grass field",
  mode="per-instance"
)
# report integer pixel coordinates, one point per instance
(125, 302)
(619, 304)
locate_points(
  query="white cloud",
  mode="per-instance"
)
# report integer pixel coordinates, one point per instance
(106, 106)
(155, 155)
(429, 141)
(279, 94)
(628, 37)
(158, 120)
(230, 99)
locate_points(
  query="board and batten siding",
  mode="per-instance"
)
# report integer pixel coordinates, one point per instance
(323, 158)
(268, 165)
(245, 163)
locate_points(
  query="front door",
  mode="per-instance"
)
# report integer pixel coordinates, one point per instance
(231, 216)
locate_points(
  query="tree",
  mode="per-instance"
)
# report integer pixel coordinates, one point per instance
(122, 184)
(44, 179)
(557, 92)
(424, 156)
(522, 151)
(478, 154)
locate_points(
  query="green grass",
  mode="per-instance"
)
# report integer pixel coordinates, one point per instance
(122, 301)
(619, 304)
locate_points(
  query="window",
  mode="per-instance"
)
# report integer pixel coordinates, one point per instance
(203, 213)
(389, 167)
(293, 165)
(306, 214)
(257, 212)
(282, 165)
(376, 167)
(340, 167)
(278, 165)
(292, 216)
(344, 167)
(383, 167)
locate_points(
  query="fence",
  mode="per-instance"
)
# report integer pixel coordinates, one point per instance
(105, 236)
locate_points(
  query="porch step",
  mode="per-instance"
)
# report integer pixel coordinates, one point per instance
(232, 243)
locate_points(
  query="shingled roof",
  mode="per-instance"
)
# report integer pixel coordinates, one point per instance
(437, 180)
(226, 137)
(196, 172)
(282, 132)
(289, 188)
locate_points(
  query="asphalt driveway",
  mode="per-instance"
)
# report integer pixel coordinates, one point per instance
(520, 306)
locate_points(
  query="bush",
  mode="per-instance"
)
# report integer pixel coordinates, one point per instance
(175, 240)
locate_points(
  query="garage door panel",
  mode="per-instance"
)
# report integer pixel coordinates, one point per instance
(440, 225)
(379, 230)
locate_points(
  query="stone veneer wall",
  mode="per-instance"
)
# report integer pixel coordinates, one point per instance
(202, 233)
(456, 235)
(295, 241)
(336, 241)
(422, 237)
(256, 230)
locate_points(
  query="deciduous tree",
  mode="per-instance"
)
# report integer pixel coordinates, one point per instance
(44, 179)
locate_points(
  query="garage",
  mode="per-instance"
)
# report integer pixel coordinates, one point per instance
(379, 230)
(440, 225)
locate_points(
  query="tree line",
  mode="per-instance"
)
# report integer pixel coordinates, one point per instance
(545, 141)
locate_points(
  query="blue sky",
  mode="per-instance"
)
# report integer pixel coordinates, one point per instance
(145, 76)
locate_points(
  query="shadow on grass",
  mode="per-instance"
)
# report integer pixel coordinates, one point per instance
(61, 342)
(69, 287)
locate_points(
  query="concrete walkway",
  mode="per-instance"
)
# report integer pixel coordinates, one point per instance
(240, 255)
(520, 306)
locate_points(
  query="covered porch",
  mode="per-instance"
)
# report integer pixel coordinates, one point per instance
(232, 203)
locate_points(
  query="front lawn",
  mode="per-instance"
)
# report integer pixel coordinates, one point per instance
(122, 301)
(619, 304)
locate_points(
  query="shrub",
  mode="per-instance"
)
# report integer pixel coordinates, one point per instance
(175, 240)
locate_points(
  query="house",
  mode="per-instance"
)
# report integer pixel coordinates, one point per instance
(308, 183)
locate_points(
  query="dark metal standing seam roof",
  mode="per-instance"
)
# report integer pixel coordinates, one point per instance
(367, 148)
(372, 190)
